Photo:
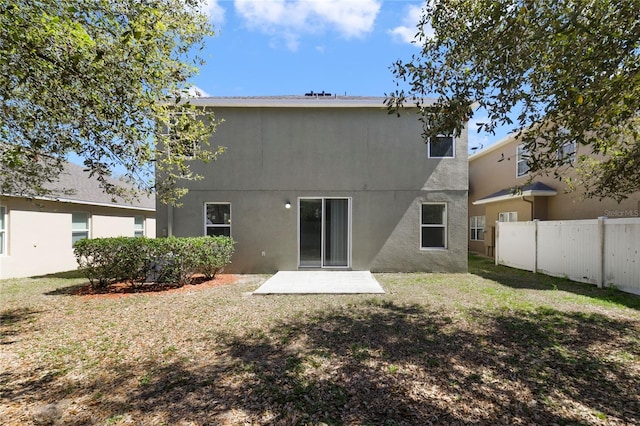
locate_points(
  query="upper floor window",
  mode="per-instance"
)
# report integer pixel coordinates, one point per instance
(522, 161)
(567, 153)
(476, 226)
(3, 229)
(217, 218)
(138, 227)
(508, 217)
(184, 148)
(79, 226)
(433, 226)
(441, 147)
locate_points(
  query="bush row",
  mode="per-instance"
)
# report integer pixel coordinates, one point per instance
(163, 260)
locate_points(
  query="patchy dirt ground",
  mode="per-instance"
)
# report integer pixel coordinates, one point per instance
(496, 346)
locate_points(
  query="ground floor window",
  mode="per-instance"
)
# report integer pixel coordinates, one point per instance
(79, 226)
(3, 229)
(476, 226)
(138, 227)
(433, 226)
(508, 217)
(217, 219)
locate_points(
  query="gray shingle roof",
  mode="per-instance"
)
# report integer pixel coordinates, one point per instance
(86, 190)
(531, 189)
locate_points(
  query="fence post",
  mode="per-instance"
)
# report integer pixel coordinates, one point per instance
(601, 276)
(497, 239)
(535, 245)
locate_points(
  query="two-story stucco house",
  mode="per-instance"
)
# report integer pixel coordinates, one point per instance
(497, 171)
(328, 182)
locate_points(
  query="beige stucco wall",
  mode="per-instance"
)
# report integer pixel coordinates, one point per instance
(39, 234)
(495, 169)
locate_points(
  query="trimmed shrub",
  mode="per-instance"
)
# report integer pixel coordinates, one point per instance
(163, 260)
(212, 254)
(132, 260)
(97, 259)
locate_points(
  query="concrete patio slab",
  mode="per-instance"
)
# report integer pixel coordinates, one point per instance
(320, 282)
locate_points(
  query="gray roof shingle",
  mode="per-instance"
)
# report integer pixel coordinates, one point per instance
(86, 190)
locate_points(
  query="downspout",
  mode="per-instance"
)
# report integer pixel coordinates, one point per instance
(169, 220)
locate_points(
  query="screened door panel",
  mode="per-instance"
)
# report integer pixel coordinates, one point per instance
(336, 233)
(311, 233)
(324, 232)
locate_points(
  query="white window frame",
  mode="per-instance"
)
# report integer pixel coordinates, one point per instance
(217, 225)
(508, 217)
(522, 157)
(86, 230)
(139, 231)
(453, 148)
(3, 230)
(441, 225)
(567, 151)
(196, 144)
(475, 227)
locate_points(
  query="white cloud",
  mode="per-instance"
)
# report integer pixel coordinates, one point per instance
(290, 19)
(406, 32)
(214, 10)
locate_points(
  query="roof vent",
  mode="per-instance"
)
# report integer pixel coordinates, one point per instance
(317, 95)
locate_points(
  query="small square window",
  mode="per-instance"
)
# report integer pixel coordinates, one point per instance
(508, 217)
(441, 147)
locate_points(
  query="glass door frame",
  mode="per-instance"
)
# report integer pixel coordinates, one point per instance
(323, 232)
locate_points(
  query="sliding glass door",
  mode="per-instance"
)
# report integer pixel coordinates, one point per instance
(324, 232)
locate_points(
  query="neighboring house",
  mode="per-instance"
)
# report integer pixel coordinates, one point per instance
(327, 182)
(37, 235)
(494, 173)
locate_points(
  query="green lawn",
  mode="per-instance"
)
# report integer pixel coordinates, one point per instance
(495, 346)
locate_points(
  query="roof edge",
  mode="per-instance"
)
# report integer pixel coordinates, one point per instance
(83, 202)
(297, 102)
(527, 193)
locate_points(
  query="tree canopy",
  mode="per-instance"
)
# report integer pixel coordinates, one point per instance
(558, 71)
(104, 80)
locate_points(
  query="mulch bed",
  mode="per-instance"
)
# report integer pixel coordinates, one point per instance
(123, 289)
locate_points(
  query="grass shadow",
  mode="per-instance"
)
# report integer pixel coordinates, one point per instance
(383, 363)
(86, 289)
(516, 278)
(12, 322)
(75, 273)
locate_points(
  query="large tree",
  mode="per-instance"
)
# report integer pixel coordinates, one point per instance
(559, 71)
(105, 81)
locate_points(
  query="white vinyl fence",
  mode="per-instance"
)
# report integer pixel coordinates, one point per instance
(602, 251)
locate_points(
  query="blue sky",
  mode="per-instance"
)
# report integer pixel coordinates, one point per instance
(290, 47)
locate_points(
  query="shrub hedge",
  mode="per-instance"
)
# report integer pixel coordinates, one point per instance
(162, 260)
